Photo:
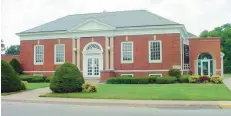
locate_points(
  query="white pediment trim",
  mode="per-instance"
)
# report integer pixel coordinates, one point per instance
(91, 25)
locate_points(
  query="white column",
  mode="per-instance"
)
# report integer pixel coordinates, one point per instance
(78, 53)
(181, 53)
(73, 50)
(106, 54)
(222, 66)
(111, 53)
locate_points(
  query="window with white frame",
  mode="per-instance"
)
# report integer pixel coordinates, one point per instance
(155, 75)
(59, 53)
(127, 52)
(127, 75)
(155, 51)
(38, 54)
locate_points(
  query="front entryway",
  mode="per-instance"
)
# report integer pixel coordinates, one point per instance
(205, 64)
(92, 60)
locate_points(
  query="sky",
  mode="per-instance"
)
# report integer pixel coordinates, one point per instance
(196, 15)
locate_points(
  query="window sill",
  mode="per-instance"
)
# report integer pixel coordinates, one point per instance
(38, 63)
(126, 62)
(155, 61)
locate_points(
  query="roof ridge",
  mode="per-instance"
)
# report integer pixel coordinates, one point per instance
(105, 12)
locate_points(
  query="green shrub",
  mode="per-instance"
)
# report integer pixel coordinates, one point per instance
(23, 85)
(166, 80)
(10, 81)
(16, 66)
(32, 79)
(127, 80)
(184, 79)
(48, 79)
(91, 88)
(85, 87)
(152, 79)
(216, 79)
(174, 73)
(67, 78)
(194, 79)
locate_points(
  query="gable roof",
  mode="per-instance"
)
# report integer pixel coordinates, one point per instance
(119, 19)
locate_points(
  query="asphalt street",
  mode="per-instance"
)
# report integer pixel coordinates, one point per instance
(43, 109)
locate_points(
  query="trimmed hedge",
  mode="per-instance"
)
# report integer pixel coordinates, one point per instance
(216, 79)
(166, 80)
(184, 79)
(127, 80)
(10, 81)
(67, 78)
(16, 65)
(34, 79)
(174, 73)
(194, 79)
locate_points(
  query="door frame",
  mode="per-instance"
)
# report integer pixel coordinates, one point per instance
(209, 70)
(85, 65)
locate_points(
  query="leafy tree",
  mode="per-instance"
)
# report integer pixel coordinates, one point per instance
(16, 65)
(67, 78)
(224, 32)
(13, 50)
(9, 79)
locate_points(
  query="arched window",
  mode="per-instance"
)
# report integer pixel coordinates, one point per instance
(93, 46)
(204, 56)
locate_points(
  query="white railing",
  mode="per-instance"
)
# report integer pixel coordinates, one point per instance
(186, 66)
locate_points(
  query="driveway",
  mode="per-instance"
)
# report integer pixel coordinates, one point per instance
(227, 82)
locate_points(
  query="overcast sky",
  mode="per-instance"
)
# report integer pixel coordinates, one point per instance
(197, 15)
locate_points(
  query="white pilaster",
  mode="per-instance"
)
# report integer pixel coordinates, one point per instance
(222, 64)
(78, 53)
(73, 50)
(106, 53)
(111, 53)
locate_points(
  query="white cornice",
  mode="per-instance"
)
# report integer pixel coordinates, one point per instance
(110, 32)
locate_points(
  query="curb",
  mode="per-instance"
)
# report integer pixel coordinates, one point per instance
(225, 106)
(157, 105)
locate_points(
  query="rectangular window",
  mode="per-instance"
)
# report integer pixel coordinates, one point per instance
(127, 75)
(158, 75)
(155, 51)
(59, 53)
(38, 54)
(127, 52)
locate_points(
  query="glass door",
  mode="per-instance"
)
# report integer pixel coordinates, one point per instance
(93, 67)
(205, 67)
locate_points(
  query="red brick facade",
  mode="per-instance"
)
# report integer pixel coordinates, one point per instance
(8, 58)
(171, 54)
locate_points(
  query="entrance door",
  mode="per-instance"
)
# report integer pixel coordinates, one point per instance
(205, 67)
(93, 67)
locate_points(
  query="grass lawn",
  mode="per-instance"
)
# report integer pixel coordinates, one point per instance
(154, 92)
(29, 86)
(227, 75)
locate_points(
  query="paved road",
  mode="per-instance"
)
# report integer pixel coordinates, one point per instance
(41, 109)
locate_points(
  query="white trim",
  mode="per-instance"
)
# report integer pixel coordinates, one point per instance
(121, 51)
(39, 71)
(91, 20)
(155, 75)
(55, 54)
(38, 63)
(85, 47)
(141, 70)
(111, 41)
(149, 52)
(127, 75)
(168, 29)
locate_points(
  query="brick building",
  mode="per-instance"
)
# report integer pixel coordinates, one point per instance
(109, 44)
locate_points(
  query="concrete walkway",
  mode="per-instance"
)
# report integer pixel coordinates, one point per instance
(227, 82)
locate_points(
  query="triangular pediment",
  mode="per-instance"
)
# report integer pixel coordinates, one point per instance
(92, 25)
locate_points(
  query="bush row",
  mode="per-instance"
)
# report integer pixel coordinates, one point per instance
(165, 80)
(142, 80)
(34, 79)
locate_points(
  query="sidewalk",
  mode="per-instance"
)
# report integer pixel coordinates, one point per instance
(33, 97)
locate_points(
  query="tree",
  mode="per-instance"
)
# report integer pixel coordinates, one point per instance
(224, 32)
(13, 50)
(9, 79)
(16, 65)
(67, 78)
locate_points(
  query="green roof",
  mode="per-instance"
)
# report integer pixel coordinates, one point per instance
(119, 19)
